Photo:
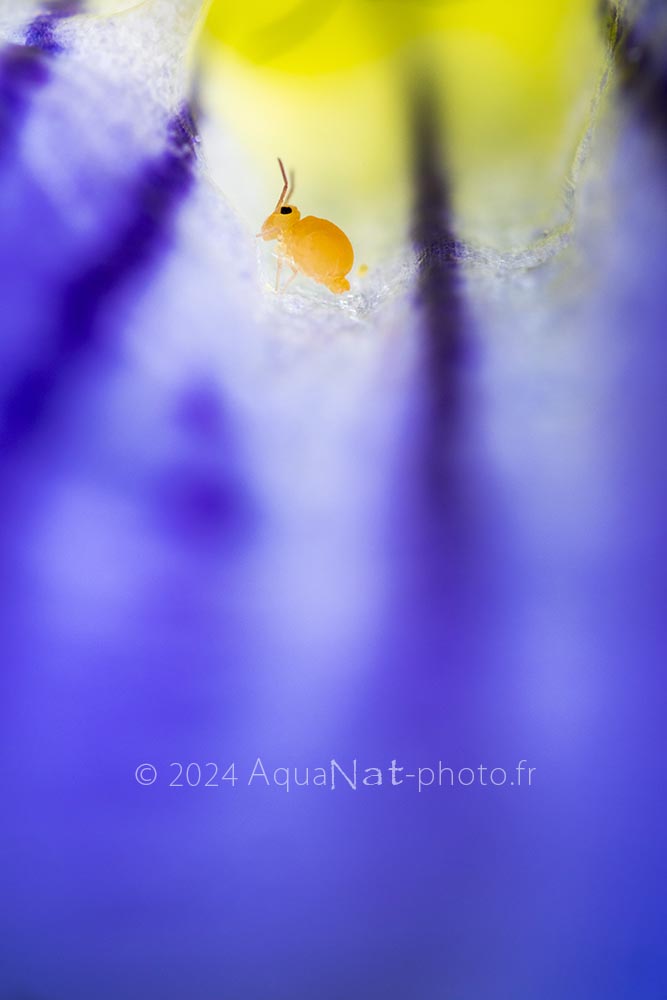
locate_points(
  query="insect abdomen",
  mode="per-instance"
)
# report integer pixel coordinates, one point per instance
(322, 251)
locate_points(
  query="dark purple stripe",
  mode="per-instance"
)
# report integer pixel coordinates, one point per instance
(24, 69)
(41, 33)
(433, 631)
(152, 203)
(22, 72)
(434, 512)
(438, 295)
(640, 51)
(163, 185)
(202, 497)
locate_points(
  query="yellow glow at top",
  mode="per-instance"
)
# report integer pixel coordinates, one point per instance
(327, 85)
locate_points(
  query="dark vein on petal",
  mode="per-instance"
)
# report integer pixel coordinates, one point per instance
(41, 33)
(439, 294)
(440, 527)
(201, 496)
(23, 72)
(437, 501)
(154, 198)
(24, 69)
(640, 49)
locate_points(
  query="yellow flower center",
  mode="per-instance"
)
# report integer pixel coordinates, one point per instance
(327, 85)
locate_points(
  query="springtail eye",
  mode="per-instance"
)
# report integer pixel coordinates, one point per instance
(286, 211)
